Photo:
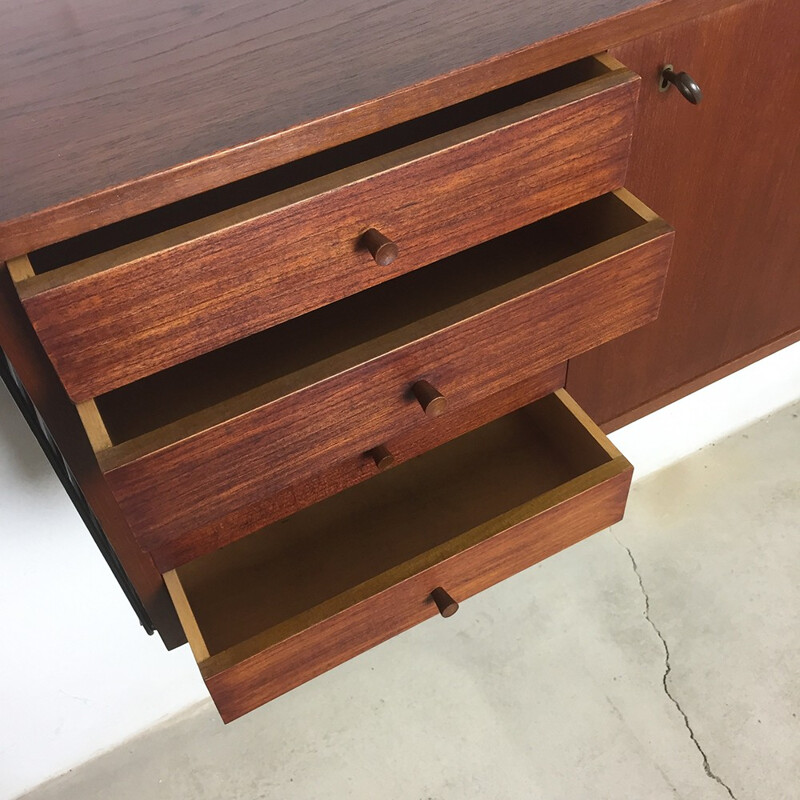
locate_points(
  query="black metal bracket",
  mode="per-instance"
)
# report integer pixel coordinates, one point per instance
(43, 436)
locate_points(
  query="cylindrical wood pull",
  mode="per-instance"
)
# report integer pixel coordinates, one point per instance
(383, 249)
(446, 605)
(683, 82)
(430, 398)
(382, 457)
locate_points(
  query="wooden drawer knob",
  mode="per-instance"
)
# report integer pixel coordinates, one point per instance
(382, 457)
(683, 82)
(446, 605)
(430, 398)
(383, 249)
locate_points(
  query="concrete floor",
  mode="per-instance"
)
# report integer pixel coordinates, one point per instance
(659, 659)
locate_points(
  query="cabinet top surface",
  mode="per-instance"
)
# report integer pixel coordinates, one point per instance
(97, 94)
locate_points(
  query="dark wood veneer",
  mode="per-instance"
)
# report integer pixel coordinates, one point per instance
(170, 550)
(154, 114)
(151, 102)
(305, 594)
(175, 295)
(468, 340)
(726, 175)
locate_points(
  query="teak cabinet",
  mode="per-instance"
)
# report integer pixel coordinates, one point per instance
(318, 339)
(726, 175)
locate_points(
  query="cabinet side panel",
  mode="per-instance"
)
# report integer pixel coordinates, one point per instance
(20, 345)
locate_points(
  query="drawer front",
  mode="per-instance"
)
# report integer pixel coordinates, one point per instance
(193, 472)
(169, 550)
(254, 671)
(175, 295)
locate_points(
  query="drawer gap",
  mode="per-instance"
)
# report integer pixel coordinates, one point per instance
(405, 519)
(348, 332)
(275, 180)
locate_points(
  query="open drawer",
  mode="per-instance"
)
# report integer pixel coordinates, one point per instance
(167, 286)
(186, 447)
(289, 602)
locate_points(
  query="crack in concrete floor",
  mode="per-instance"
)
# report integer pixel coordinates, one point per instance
(668, 669)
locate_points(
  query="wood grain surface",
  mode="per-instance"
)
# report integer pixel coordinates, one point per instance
(703, 380)
(726, 175)
(192, 289)
(285, 605)
(170, 550)
(196, 469)
(110, 108)
(107, 111)
(239, 687)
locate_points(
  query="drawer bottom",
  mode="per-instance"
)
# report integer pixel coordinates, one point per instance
(289, 602)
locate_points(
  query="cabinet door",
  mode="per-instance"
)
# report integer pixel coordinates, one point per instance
(726, 175)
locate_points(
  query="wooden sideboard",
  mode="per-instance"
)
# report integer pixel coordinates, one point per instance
(317, 310)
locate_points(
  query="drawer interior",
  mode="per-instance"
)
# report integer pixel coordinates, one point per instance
(239, 194)
(393, 526)
(253, 371)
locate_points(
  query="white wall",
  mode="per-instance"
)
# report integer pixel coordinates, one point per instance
(79, 675)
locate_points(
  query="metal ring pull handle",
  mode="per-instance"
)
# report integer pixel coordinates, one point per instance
(683, 82)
